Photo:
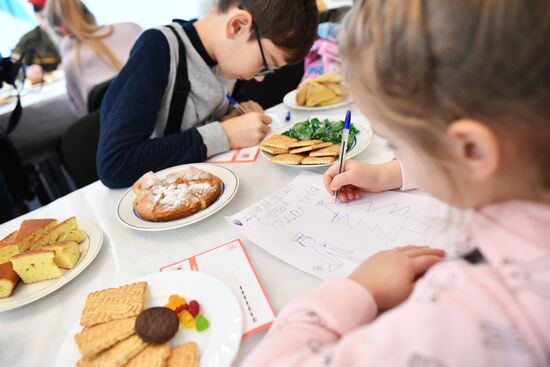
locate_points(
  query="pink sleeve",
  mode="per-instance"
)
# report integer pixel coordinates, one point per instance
(452, 318)
(335, 309)
(407, 183)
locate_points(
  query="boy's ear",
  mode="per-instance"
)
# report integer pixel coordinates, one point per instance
(239, 22)
(476, 147)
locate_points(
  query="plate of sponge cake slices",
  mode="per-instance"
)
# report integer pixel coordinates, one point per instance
(42, 255)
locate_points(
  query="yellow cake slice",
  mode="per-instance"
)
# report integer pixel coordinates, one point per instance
(67, 253)
(36, 265)
(75, 235)
(21, 240)
(8, 248)
(55, 233)
(32, 229)
(8, 279)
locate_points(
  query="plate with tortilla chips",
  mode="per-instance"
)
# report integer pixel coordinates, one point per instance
(315, 142)
(324, 92)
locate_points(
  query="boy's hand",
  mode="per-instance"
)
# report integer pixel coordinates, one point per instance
(390, 275)
(248, 106)
(246, 130)
(357, 177)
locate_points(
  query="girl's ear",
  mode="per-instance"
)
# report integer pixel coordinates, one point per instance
(476, 147)
(238, 23)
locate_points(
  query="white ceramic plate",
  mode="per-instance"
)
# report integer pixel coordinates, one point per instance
(361, 141)
(27, 293)
(290, 101)
(230, 185)
(218, 344)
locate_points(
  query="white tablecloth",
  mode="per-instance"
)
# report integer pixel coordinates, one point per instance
(32, 335)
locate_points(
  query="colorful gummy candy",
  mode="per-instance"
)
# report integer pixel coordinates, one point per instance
(174, 301)
(188, 313)
(201, 323)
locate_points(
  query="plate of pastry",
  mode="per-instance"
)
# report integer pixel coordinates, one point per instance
(174, 318)
(325, 92)
(177, 197)
(315, 142)
(42, 256)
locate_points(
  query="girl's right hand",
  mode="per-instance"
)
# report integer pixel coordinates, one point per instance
(246, 130)
(357, 177)
(390, 275)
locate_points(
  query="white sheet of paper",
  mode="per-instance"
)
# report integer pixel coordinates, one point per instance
(303, 226)
(230, 264)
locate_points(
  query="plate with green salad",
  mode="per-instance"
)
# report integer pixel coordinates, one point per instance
(315, 142)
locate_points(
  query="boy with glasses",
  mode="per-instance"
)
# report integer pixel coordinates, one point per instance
(238, 40)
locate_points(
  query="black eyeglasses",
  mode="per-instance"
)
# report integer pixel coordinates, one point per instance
(266, 70)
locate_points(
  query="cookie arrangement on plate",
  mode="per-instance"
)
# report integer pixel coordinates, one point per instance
(310, 142)
(119, 331)
(41, 249)
(287, 150)
(176, 195)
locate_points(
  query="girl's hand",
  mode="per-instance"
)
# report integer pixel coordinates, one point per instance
(390, 275)
(357, 177)
(246, 130)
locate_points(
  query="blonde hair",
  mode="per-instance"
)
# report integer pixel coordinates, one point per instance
(81, 23)
(419, 65)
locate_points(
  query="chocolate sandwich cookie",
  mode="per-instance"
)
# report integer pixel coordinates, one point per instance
(157, 325)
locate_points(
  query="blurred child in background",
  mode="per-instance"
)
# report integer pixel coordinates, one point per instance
(91, 53)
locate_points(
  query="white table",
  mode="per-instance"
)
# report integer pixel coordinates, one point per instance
(32, 335)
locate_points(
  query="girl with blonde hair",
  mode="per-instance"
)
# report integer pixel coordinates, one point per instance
(461, 90)
(91, 53)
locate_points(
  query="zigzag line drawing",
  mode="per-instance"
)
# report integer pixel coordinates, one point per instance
(408, 223)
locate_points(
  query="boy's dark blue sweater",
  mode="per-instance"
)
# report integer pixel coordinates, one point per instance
(129, 112)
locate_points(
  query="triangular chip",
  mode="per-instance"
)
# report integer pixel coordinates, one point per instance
(329, 78)
(301, 94)
(317, 94)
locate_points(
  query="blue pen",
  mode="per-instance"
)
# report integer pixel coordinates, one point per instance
(233, 102)
(343, 148)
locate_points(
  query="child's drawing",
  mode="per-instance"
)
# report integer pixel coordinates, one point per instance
(331, 258)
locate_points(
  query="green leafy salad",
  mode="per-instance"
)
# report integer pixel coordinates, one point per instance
(325, 130)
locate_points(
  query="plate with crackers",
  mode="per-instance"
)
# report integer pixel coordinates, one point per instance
(315, 142)
(157, 320)
(325, 92)
(177, 196)
(42, 256)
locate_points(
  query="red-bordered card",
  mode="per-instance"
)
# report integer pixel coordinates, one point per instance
(243, 155)
(231, 265)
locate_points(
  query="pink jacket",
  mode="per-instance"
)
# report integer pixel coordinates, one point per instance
(495, 313)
